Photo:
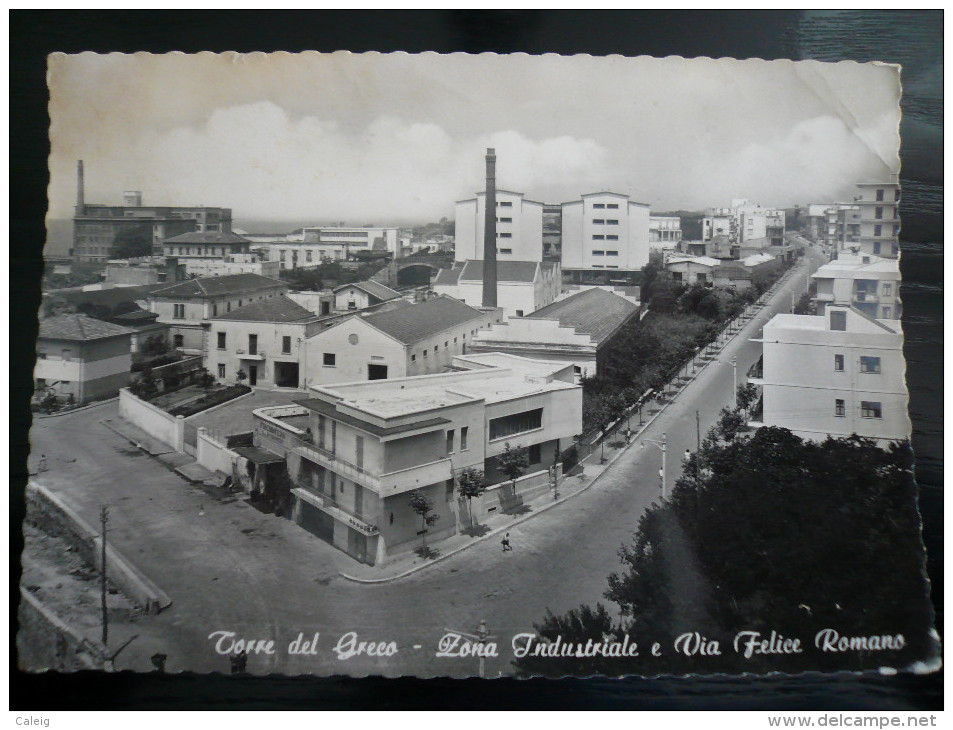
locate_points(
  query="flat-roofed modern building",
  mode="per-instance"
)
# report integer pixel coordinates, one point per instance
(837, 374)
(605, 239)
(869, 283)
(522, 287)
(879, 218)
(354, 452)
(519, 228)
(82, 358)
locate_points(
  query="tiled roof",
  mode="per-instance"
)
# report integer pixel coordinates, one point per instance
(447, 277)
(505, 270)
(212, 286)
(276, 309)
(107, 297)
(374, 288)
(207, 237)
(414, 323)
(594, 312)
(79, 327)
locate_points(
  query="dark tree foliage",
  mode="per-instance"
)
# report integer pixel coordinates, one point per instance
(133, 242)
(767, 532)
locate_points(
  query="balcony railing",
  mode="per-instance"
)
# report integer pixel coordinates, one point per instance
(385, 483)
(256, 355)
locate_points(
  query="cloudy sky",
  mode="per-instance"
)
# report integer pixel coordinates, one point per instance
(397, 138)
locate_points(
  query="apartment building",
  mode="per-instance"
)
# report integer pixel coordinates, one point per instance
(354, 452)
(871, 284)
(264, 340)
(879, 219)
(745, 229)
(519, 228)
(834, 225)
(81, 358)
(605, 239)
(186, 306)
(410, 340)
(664, 231)
(522, 287)
(577, 330)
(838, 374)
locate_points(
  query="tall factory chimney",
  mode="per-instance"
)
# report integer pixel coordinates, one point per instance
(80, 189)
(489, 232)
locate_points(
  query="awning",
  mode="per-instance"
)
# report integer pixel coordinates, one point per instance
(256, 455)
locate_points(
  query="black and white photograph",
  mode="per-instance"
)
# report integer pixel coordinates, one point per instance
(472, 365)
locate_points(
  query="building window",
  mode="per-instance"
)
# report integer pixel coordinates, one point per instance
(505, 251)
(878, 212)
(612, 237)
(178, 311)
(178, 341)
(449, 487)
(329, 359)
(888, 290)
(435, 348)
(869, 364)
(598, 253)
(426, 352)
(517, 423)
(463, 438)
(286, 345)
(307, 256)
(221, 340)
(534, 454)
(878, 230)
(214, 310)
(880, 195)
(612, 222)
(870, 409)
(894, 249)
(598, 221)
(876, 247)
(228, 307)
(454, 340)
(613, 206)
(839, 408)
(505, 204)
(612, 253)
(450, 441)
(504, 235)
(221, 370)
(839, 320)
(519, 312)
(413, 357)
(896, 194)
(446, 343)
(887, 312)
(600, 206)
(839, 363)
(504, 220)
(598, 237)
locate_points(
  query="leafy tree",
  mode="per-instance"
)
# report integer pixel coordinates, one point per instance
(241, 376)
(423, 506)
(513, 462)
(747, 396)
(133, 242)
(774, 534)
(472, 483)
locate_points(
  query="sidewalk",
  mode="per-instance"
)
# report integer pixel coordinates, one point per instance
(137, 436)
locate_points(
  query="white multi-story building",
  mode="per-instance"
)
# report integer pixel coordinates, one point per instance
(879, 218)
(837, 374)
(519, 228)
(745, 229)
(869, 283)
(522, 287)
(664, 232)
(356, 451)
(315, 245)
(605, 238)
(835, 225)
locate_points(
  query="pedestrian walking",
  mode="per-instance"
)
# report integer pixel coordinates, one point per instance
(506, 542)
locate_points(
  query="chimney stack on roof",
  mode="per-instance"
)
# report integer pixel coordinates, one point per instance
(489, 232)
(80, 189)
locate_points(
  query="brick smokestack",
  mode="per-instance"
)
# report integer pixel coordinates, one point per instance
(80, 189)
(489, 232)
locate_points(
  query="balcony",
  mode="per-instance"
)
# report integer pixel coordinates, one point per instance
(385, 484)
(755, 374)
(256, 355)
(327, 504)
(865, 296)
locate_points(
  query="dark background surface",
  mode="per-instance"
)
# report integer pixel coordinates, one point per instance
(911, 38)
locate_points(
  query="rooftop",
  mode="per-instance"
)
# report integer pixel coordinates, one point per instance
(212, 286)
(851, 266)
(79, 327)
(207, 237)
(422, 393)
(374, 288)
(414, 323)
(276, 309)
(506, 271)
(701, 260)
(595, 312)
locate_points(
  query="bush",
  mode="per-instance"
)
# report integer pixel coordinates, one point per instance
(210, 400)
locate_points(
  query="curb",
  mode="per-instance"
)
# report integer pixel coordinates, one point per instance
(422, 566)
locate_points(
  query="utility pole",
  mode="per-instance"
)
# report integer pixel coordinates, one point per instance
(104, 518)
(698, 431)
(734, 378)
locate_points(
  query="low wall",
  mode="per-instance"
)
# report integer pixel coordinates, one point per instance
(153, 420)
(55, 516)
(528, 487)
(45, 641)
(212, 455)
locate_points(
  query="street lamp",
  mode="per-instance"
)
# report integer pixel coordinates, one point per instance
(662, 446)
(734, 378)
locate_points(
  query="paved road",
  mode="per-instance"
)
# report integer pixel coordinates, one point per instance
(228, 567)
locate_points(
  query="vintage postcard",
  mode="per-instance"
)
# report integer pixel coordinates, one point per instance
(472, 365)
